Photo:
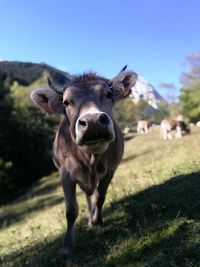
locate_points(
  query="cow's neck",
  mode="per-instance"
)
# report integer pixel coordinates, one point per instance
(93, 160)
(93, 172)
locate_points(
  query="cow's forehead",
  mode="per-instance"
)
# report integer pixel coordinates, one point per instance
(86, 88)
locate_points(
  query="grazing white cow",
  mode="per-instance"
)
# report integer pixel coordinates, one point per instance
(143, 127)
(198, 124)
(126, 130)
(169, 125)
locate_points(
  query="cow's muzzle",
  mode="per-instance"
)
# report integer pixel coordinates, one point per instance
(94, 132)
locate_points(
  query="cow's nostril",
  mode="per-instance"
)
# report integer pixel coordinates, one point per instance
(82, 123)
(104, 119)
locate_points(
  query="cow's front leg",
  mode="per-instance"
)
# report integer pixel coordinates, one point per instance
(69, 188)
(164, 133)
(90, 208)
(100, 195)
(178, 132)
(169, 135)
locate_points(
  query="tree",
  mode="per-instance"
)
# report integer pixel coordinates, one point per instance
(26, 137)
(26, 134)
(126, 112)
(190, 101)
(190, 92)
(170, 92)
(193, 75)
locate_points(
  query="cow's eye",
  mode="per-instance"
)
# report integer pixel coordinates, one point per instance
(65, 103)
(109, 95)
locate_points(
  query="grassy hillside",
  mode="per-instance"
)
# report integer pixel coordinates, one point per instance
(151, 214)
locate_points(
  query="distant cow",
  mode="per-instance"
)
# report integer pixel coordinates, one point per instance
(168, 125)
(143, 127)
(198, 124)
(88, 145)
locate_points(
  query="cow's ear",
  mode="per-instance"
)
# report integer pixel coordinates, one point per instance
(48, 100)
(122, 84)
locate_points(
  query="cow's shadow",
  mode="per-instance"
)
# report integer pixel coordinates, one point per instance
(136, 215)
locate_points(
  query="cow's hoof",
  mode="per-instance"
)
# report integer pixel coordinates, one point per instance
(95, 222)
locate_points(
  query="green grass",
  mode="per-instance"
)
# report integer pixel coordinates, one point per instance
(151, 213)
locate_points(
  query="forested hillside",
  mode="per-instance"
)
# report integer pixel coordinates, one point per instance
(26, 73)
(26, 134)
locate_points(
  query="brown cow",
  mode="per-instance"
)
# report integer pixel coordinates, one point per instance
(88, 145)
(168, 125)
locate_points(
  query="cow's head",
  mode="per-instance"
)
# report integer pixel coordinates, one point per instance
(87, 102)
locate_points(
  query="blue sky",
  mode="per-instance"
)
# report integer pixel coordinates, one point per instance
(153, 37)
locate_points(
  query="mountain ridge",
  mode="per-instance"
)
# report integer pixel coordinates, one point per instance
(26, 73)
